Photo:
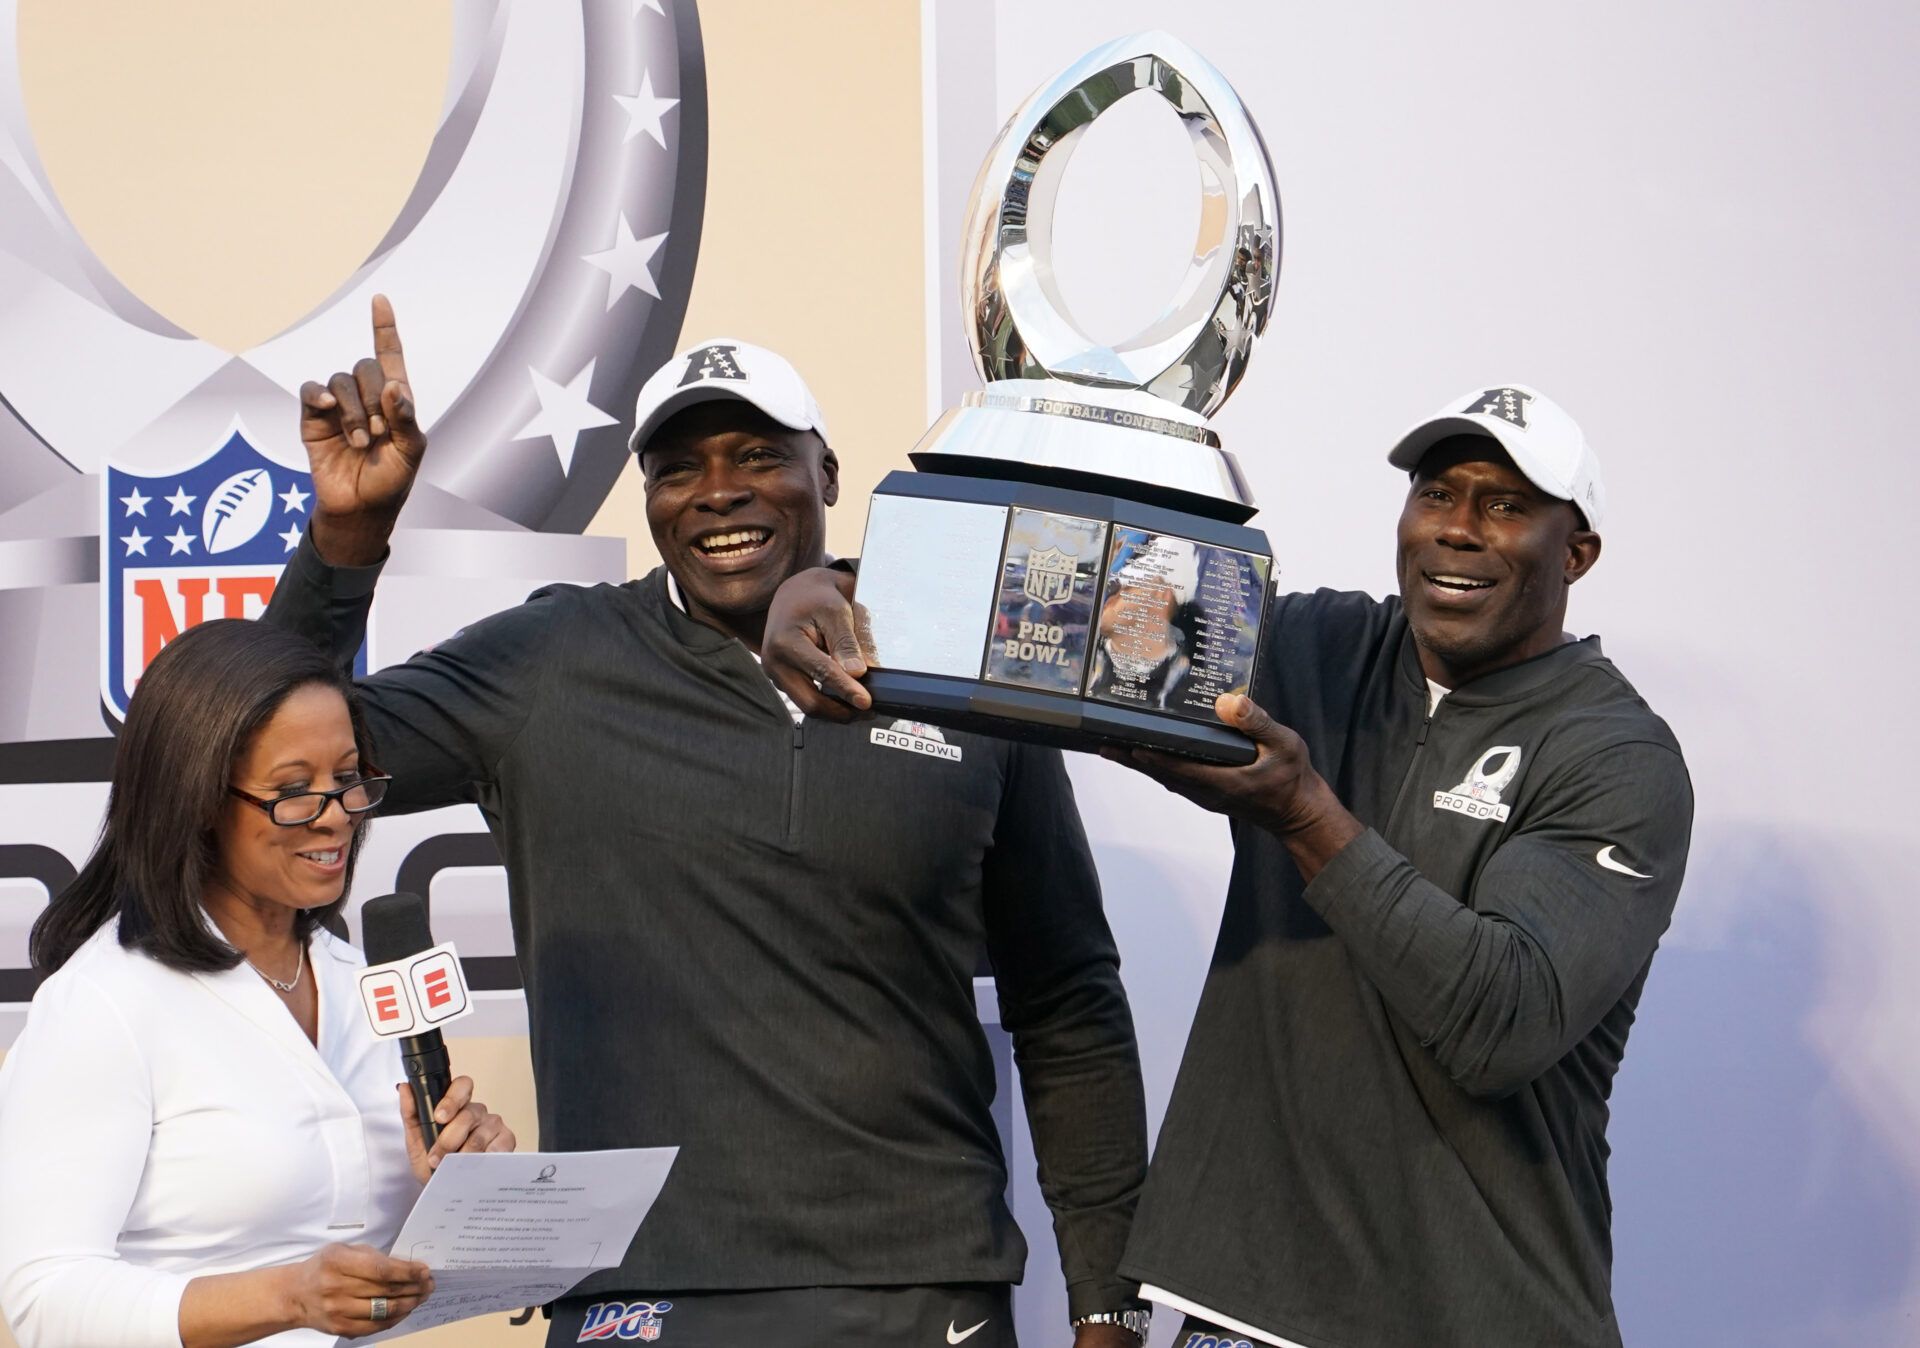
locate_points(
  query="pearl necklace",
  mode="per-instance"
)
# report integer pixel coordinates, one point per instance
(298, 969)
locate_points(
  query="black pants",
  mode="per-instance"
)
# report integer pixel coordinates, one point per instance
(979, 1315)
(1197, 1333)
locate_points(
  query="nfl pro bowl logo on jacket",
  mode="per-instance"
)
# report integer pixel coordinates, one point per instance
(1478, 797)
(207, 540)
(915, 737)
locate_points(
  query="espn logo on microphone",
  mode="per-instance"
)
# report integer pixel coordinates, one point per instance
(413, 995)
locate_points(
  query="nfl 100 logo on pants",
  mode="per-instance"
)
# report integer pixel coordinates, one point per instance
(607, 1320)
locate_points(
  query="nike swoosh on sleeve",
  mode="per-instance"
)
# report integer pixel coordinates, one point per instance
(1606, 859)
(961, 1336)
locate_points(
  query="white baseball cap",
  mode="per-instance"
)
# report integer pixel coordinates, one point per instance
(1541, 439)
(722, 367)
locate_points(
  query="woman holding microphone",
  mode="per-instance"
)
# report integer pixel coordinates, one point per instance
(200, 1140)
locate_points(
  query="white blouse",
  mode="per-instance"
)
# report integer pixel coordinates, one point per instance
(157, 1126)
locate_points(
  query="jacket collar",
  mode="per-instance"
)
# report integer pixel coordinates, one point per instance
(695, 636)
(1512, 684)
(740, 667)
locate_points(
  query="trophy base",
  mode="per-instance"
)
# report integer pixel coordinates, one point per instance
(1043, 718)
(1056, 614)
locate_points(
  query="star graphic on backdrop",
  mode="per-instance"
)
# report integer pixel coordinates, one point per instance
(564, 413)
(136, 542)
(136, 504)
(626, 263)
(291, 537)
(295, 498)
(653, 5)
(182, 542)
(644, 111)
(180, 501)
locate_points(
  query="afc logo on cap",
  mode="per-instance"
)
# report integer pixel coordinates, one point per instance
(415, 994)
(712, 362)
(1508, 404)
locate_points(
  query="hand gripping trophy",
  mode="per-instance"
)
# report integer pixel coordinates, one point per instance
(1071, 563)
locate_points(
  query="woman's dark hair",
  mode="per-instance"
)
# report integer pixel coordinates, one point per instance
(197, 708)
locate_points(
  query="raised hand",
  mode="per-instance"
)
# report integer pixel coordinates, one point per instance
(364, 444)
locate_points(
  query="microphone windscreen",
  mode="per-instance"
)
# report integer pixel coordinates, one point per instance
(395, 926)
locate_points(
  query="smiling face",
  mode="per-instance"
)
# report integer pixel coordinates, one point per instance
(1485, 559)
(737, 503)
(307, 745)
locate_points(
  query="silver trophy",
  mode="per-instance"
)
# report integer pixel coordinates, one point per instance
(1071, 562)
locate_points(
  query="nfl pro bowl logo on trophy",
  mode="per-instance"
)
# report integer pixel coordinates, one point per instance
(527, 189)
(1049, 577)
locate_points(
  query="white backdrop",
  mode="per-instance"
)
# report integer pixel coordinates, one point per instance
(1687, 224)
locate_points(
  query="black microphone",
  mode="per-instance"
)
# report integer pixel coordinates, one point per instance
(395, 926)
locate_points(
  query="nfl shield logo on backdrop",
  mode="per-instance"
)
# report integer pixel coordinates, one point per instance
(205, 541)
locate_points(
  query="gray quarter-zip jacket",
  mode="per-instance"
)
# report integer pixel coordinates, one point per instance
(756, 941)
(1389, 1127)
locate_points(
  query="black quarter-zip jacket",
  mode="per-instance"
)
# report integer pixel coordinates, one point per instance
(756, 941)
(1389, 1127)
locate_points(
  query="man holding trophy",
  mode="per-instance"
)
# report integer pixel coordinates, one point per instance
(746, 933)
(1459, 833)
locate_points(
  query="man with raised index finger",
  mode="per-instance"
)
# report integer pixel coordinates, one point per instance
(1455, 853)
(742, 931)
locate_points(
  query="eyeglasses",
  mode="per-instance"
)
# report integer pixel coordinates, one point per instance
(356, 798)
